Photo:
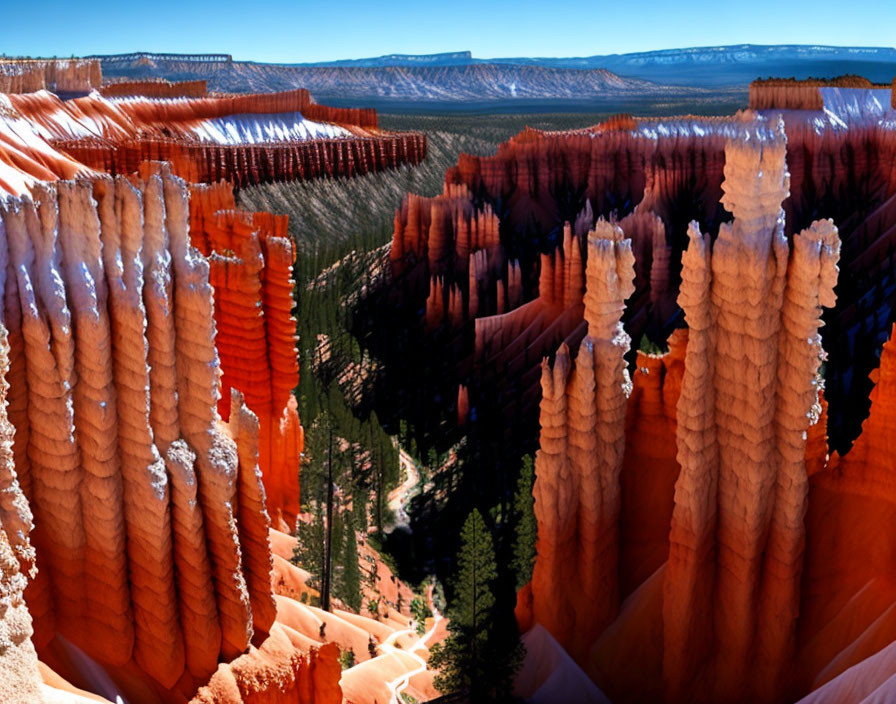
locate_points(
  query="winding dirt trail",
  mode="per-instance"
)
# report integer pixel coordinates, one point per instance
(402, 494)
(399, 683)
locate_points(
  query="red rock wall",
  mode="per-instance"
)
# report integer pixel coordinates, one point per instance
(117, 137)
(848, 584)
(251, 164)
(785, 96)
(795, 94)
(63, 75)
(152, 532)
(156, 89)
(251, 258)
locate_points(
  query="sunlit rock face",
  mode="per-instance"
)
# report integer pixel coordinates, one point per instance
(58, 75)
(251, 258)
(761, 595)
(242, 139)
(123, 456)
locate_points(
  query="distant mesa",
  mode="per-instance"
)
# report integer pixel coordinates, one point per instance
(446, 77)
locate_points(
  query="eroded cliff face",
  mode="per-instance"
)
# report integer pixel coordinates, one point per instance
(19, 675)
(759, 597)
(251, 258)
(157, 88)
(795, 94)
(58, 75)
(152, 531)
(242, 139)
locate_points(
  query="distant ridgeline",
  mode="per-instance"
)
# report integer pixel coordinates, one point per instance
(113, 59)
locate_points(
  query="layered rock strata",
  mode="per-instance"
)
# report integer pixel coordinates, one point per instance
(152, 531)
(251, 258)
(241, 139)
(159, 88)
(727, 601)
(792, 94)
(58, 75)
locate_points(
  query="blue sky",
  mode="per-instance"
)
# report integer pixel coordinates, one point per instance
(279, 30)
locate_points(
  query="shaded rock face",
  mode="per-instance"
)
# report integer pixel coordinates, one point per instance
(19, 674)
(547, 190)
(761, 595)
(151, 529)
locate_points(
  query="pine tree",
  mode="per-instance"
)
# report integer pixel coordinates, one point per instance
(526, 525)
(351, 570)
(359, 508)
(473, 659)
(310, 546)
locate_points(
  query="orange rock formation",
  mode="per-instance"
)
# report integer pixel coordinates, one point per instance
(152, 532)
(243, 139)
(62, 75)
(792, 94)
(251, 258)
(159, 88)
(151, 366)
(750, 598)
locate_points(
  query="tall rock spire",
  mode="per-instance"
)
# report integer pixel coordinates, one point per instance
(748, 394)
(577, 492)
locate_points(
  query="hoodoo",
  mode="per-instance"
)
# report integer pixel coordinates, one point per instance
(149, 436)
(623, 394)
(686, 534)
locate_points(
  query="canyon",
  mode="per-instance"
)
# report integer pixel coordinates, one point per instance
(149, 437)
(687, 321)
(689, 502)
